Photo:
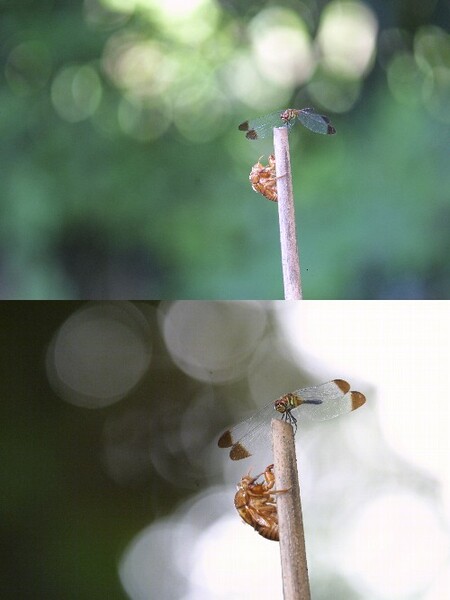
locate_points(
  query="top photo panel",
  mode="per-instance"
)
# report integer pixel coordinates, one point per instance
(203, 149)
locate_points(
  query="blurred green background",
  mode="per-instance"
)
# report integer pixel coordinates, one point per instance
(124, 174)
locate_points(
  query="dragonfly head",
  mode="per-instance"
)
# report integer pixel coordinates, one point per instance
(282, 404)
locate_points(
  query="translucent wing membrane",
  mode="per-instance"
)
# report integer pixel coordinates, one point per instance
(317, 403)
(253, 431)
(330, 407)
(261, 127)
(315, 122)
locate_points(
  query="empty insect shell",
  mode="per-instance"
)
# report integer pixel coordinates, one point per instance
(264, 179)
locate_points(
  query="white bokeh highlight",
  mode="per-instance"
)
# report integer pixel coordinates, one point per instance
(99, 354)
(191, 331)
(395, 548)
(347, 38)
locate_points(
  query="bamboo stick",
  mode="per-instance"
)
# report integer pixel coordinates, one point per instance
(286, 215)
(292, 540)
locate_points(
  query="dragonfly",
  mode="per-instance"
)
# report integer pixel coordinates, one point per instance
(262, 126)
(316, 403)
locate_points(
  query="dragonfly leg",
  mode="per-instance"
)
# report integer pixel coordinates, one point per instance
(289, 418)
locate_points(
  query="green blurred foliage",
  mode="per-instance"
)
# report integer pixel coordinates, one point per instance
(112, 188)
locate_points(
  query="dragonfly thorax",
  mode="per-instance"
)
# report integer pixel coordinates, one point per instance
(288, 115)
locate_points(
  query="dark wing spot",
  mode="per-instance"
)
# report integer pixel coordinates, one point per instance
(358, 400)
(243, 126)
(330, 129)
(225, 440)
(237, 452)
(251, 135)
(344, 386)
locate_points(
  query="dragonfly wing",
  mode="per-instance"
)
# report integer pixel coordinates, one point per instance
(315, 122)
(261, 127)
(328, 401)
(317, 403)
(326, 391)
(247, 437)
(329, 410)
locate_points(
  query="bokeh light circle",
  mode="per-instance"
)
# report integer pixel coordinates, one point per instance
(191, 331)
(99, 354)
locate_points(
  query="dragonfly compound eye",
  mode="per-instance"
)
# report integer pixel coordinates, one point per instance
(281, 405)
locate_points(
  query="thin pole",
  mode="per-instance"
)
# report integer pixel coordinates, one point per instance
(286, 215)
(292, 539)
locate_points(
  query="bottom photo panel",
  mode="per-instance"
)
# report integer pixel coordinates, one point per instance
(200, 450)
